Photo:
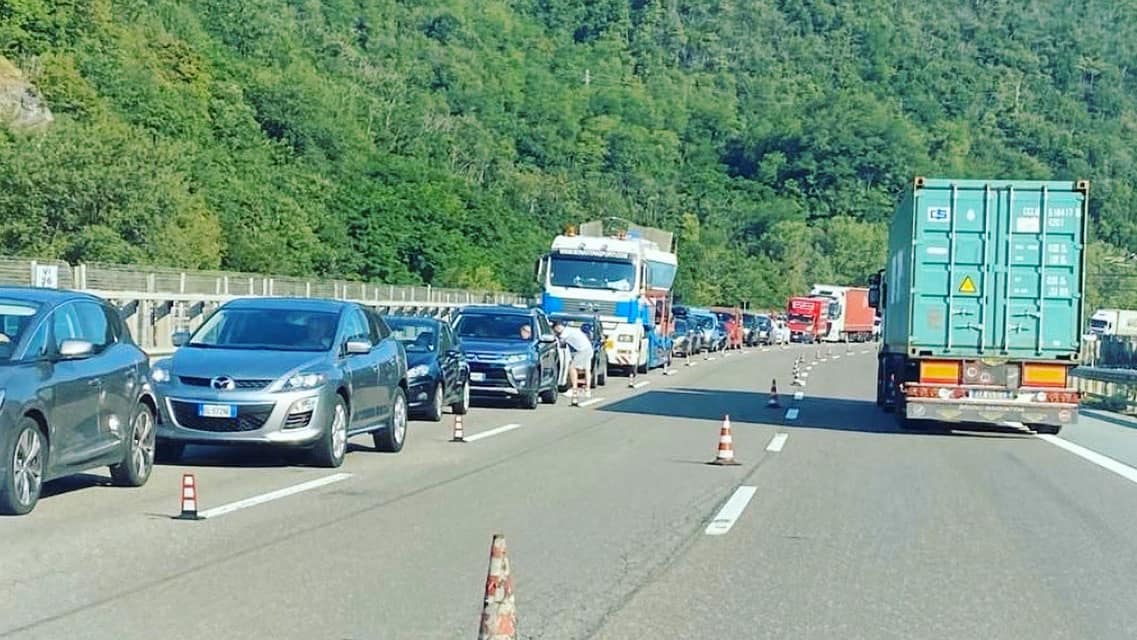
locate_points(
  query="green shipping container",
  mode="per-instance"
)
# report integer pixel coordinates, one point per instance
(987, 268)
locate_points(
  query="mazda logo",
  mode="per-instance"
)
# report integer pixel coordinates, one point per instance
(223, 383)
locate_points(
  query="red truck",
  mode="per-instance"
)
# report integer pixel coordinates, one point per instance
(851, 318)
(807, 318)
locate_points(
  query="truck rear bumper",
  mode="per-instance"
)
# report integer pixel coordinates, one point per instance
(991, 412)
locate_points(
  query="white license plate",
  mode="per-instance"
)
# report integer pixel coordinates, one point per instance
(217, 411)
(477, 377)
(989, 395)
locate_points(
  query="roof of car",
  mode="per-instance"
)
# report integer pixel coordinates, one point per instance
(297, 304)
(42, 295)
(409, 319)
(500, 309)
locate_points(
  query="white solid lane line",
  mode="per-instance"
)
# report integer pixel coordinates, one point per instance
(778, 442)
(588, 403)
(798, 395)
(272, 495)
(1123, 470)
(791, 414)
(730, 511)
(492, 432)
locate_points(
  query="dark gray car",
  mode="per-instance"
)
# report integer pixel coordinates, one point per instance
(74, 394)
(299, 373)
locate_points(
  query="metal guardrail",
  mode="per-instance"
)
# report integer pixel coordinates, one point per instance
(155, 300)
(1116, 387)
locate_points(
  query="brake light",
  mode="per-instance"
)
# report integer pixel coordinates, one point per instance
(939, 371)
(1044, 375)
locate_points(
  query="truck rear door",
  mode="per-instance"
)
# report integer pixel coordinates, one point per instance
(997, 269)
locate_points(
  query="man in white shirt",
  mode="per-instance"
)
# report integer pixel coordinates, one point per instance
(581, 347)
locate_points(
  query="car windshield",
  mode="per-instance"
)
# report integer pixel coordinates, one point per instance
(680, 327)
(797, 317)
(592, 273)
(15, 318)
(705, 323)
(763, 322)
(416, 335)
(267, 328)
(488, 326)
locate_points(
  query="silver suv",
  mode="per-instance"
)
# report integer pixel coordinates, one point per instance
(299, 373)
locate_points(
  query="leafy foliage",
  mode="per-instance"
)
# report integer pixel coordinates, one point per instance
(444, 142)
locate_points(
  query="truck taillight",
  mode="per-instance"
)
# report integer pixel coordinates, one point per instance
(1044, 375)
(939, 371)
(1063, 397)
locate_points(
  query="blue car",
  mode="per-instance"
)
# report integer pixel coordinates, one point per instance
(513, 353)
(438, 374)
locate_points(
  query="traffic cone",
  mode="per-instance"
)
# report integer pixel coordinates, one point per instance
(499, 615)
(725, 455)
(773, 402)
(189, 498)
(459, 432)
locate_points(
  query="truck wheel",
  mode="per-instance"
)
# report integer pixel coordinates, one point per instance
(1046, 429)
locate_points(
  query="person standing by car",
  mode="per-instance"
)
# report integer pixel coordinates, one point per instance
(581, 348)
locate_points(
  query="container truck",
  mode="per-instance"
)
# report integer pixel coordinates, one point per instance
(807, 318)
(982, 302)
(1114, 322)
(850, 316)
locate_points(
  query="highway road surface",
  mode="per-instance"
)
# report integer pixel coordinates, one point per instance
(834, 525)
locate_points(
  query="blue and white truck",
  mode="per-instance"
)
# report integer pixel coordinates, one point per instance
(624, 276)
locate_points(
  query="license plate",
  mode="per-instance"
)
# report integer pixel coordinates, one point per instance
(989, 395)
(477, 377)
(216, 411)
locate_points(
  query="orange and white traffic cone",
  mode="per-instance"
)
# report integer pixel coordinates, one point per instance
(725, 455)
(499, 615)
(459, 433)
(189, 497)
(773, 402)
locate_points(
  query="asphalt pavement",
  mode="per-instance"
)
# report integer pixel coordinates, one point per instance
(834, 524)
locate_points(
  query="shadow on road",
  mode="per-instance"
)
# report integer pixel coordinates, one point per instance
(749, 407)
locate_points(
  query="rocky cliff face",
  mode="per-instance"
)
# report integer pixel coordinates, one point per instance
(21, 106)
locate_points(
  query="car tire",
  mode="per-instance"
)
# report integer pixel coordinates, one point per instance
(138, 457)
(462, 407)
(20, 494)
(390, 439)
(530, 400)
(434, 411)
(330, 450)
(549, 396)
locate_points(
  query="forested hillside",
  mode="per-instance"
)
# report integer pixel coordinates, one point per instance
(445, 141)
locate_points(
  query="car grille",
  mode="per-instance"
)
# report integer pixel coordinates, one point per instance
(495, 375)
(240, 384)
(250, 417)
(602, 307)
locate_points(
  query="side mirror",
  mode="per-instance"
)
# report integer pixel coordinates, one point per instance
(75, 349)
(548, 338)
(358, 347)
(874, 290)
(180, 338)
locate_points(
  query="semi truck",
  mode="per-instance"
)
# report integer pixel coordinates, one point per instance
(850, 316)
(625, 276)
(1114, 322)
(982, 302)
(807, 318)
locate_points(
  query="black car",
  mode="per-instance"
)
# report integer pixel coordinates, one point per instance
(512, 352)
(438, 374)
(591, 326)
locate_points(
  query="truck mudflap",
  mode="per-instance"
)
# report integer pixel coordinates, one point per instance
(991, 412)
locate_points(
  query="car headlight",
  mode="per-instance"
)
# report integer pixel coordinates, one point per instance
(304, 381)
(517, 357)
(418, 371)
(160, 374)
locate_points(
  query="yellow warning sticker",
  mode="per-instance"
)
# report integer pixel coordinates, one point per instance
(967, 286)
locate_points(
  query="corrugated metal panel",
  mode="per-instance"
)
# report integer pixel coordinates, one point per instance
(988, 268)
